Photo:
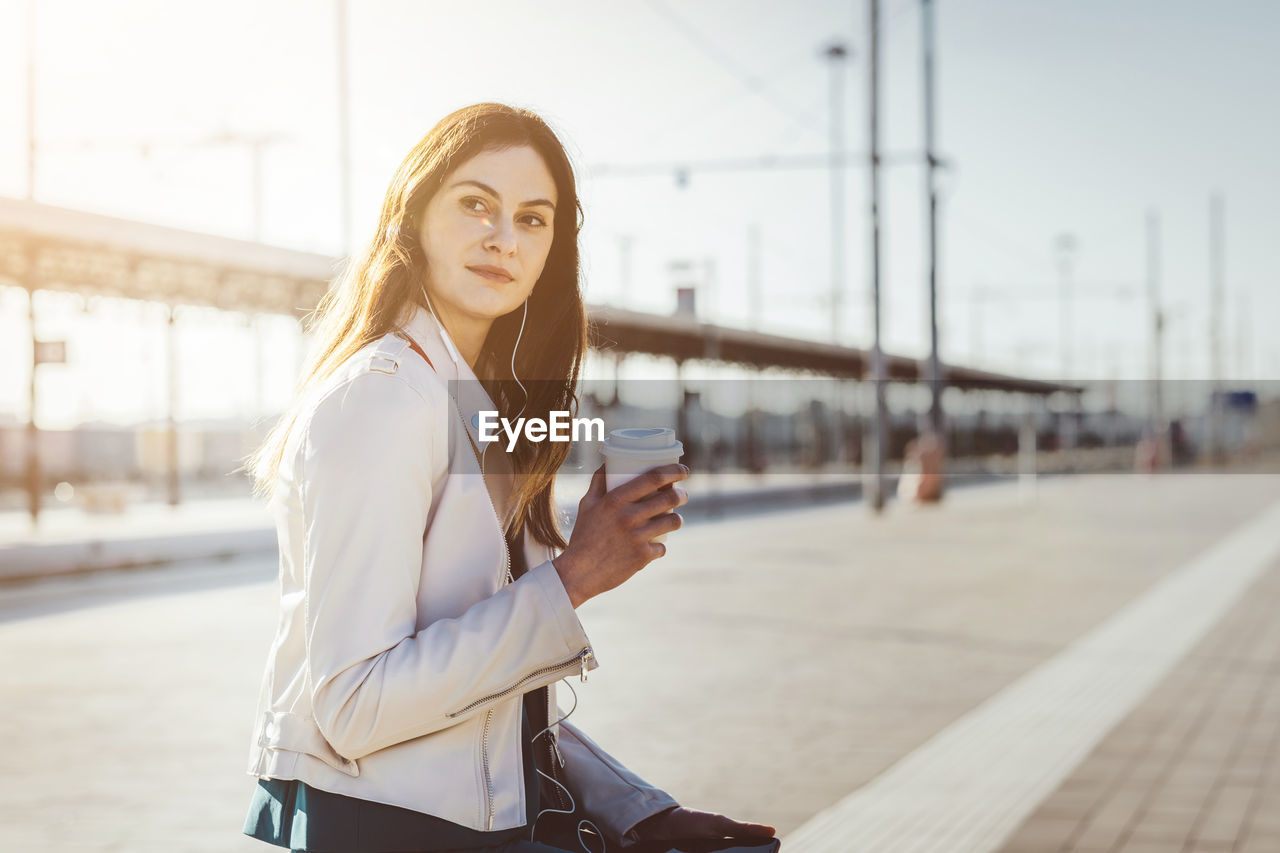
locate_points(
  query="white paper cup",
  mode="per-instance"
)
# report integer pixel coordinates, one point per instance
(630, 452)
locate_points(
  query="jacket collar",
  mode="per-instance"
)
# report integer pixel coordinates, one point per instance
(430, 334)
(463, 386)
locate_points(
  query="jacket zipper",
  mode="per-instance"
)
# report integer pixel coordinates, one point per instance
(484, 757)
(484, 737)
(506, 551)
(475, 451)
(555, 731)
(583, 656)
(559, 794)
(554, 753)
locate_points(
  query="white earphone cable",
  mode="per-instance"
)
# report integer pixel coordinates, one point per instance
(572, 805)
(525, 391)
(547, 731)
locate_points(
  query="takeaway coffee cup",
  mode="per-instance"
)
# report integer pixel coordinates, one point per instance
(630, 452)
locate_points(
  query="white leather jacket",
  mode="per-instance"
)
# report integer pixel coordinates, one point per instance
(403, 647)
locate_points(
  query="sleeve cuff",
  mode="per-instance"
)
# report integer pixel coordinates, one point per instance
(644, 810)
(548, 580)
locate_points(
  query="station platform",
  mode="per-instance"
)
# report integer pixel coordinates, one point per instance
(1094, 666)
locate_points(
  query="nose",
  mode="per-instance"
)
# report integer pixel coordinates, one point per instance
(502, 236)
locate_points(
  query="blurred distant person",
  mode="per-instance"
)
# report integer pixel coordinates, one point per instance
(1147, 454)
(922, 471)
(1180, 446)
(427, 597)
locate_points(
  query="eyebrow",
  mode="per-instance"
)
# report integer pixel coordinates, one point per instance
(491, 191)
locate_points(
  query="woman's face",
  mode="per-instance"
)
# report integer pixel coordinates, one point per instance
(494, 211)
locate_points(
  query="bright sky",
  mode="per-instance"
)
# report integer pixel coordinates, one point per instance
(1058, 116)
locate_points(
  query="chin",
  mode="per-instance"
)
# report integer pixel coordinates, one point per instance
(506, 307)
(492, 310)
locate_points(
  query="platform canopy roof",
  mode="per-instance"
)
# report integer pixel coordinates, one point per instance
(685, 338)
(43, 247)
(52, 248)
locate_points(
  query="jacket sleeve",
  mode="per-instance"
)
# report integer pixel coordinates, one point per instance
(609, 794)
(374, 678)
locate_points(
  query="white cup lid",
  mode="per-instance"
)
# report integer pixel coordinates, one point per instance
(643, 443)
(643, 438)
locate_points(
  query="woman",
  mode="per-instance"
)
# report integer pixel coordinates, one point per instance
(408, 701)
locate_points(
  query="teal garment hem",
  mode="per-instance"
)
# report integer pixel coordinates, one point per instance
(290, 813)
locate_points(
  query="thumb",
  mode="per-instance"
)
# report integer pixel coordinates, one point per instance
(596, 489)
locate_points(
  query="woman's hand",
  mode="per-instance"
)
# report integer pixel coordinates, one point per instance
(678, 822)
(611, 537)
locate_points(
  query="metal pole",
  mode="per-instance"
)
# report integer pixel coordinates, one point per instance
(624, 256)
(31, 100)
(1217, 296)
(876, 501)
(682, 416)
(1244, 339)
(172, 402)
(836, 54)
(1066, 246)
(256, 147)
(614, 400)
(33, 434)
(344, 127)
(931, 162)
(1158, 431)
(710, 288)
(1217, 291)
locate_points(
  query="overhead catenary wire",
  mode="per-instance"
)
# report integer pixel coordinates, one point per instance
(758, 84)
(762, 162)
(753, 82)
(706, 109)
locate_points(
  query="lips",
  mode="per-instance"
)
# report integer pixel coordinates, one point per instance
(491, 273)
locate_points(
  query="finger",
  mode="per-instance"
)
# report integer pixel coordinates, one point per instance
(595, 489)
(662, 523)
(754, 830)
(736, 829)
(667, 498)
(650, 481)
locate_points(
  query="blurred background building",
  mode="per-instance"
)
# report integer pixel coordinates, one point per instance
(784, 197)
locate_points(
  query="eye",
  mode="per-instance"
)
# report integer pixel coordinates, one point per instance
(537, 220)
(466, 202)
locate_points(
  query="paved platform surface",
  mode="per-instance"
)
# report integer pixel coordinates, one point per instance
(1196, 767)
(767, 668)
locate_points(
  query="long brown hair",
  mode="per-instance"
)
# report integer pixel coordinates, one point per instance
(376, 294)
